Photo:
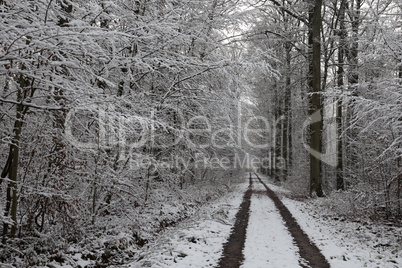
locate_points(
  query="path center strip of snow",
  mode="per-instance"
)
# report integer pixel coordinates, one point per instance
(268, 242)
(309, 253)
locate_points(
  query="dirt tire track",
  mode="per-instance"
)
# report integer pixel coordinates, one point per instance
(308, 251)
(232, 256)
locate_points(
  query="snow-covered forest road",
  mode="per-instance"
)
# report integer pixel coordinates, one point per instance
(272, 236)
(246, 229)
(128, 128)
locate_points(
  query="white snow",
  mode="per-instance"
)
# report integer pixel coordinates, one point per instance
(198, 242)
(195, 242)
(345, 243)
(268, 242)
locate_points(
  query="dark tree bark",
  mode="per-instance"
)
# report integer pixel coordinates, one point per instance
(399, 158)
(353, 77)
(12, 187)
(352, 8)
(315, 99)
(340, 185)
(287, 123)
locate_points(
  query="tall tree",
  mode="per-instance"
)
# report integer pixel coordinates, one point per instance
(315, 98)
(340, 84)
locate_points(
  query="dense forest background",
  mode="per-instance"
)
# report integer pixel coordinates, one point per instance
(116, 116)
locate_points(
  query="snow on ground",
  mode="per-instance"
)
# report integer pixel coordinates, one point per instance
(268, 242)
(257, 186)
(345, 243)
(196, 242)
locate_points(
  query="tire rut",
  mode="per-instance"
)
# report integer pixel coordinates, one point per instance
(232, 255)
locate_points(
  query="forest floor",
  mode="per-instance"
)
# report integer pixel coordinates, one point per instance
(256, 225)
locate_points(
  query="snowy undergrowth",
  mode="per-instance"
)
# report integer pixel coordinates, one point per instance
(123, 235)
(196, 241)
(345, 242)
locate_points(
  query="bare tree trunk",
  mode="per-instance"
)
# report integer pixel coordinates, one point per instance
(353, 51)
(12, 187)
(278, 142)
(340, 185)
(315, 99)
(6, 212)
(353, 12)
(398, 161)
(286, 140)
